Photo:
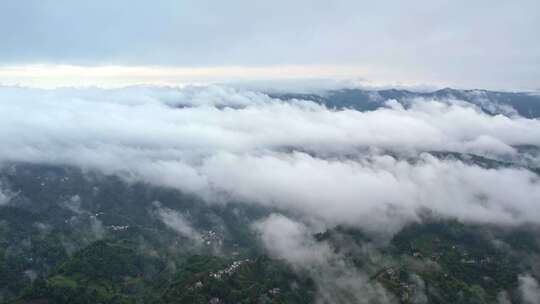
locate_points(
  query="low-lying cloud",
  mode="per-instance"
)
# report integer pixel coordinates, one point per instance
(336, 280)
(178, 222)
(5, 196)
(529, 289)
(364, 169)
(380, 192)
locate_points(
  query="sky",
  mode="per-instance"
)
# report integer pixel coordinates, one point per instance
(225, 142)
(475, 44)
(202, 124)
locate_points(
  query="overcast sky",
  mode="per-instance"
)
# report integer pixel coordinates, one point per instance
(481, 43)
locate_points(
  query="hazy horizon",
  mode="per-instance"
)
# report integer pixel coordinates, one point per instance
(462, 44)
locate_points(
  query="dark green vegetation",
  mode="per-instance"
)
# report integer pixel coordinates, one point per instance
(243, 281)
(69, 236)
(472, 266)
(445, 261)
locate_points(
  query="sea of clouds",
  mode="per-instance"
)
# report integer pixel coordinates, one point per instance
(329, 166)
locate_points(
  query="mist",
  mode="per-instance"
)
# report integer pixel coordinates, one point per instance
(336, 166)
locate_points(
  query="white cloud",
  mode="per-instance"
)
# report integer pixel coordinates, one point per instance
(5, 195)
(337, 282)
(455, 42)
(379, 193)
(292, 241)
(221, 142)
(530, 291)
(179, 223)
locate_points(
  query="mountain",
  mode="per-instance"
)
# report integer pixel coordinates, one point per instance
(74, 236)
(222, 196)
(491, 102)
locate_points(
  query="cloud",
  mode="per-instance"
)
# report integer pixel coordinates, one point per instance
(74, 204)
(381, 193)
(438, 41)
(503, 298)
(364, 169)
(292, 241)
(337, 282)
(178, 222)
(143, 118)
(530, 291)
(5, 195)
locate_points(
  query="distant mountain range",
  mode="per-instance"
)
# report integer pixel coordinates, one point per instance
(491, 102)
